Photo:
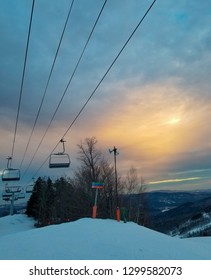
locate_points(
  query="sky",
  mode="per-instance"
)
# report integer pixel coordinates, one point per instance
(153, 105)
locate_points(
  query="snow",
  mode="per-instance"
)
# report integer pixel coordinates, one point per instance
(94, 239)
(14, 224)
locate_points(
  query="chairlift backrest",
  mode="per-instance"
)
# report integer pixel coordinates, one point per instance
(11, 174)
(59, 160)
(21, 195)
(6, 195)
(31, 189)
(6, 198)
(13, 189)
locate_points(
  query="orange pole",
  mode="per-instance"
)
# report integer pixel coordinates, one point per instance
(94, 211)
(94, 208)
(118, 214)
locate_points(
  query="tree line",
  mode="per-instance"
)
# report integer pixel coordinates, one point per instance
(71, 198)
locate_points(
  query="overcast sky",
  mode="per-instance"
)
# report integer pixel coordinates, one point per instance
(154, 105)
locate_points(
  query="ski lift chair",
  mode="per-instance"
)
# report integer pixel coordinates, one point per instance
(6, 196)
(31, 188)
(20, 196)
(59, 160)
(13, 189)
(10, 174)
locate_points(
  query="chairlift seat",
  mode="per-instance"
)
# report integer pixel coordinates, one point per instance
(6, 198)
(21, 196)
(11, 174)
(6, 195)
(29, 189)
(13, 189)
(59, 165)
(59, 160)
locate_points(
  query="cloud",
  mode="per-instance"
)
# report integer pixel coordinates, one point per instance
(162, 75)
(141, 123)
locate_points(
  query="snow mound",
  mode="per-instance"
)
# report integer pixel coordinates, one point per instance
(14, 224)
(89, 239)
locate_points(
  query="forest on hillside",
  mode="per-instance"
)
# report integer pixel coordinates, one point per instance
(68, 199)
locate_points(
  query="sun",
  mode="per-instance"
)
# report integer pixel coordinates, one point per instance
(173, 121)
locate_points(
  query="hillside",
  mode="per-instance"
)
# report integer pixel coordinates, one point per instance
(181, 213)
(93, 239)
(191, 218)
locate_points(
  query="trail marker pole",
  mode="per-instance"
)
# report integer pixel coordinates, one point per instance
(96, 186)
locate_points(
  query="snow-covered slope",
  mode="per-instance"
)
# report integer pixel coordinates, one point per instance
(14, 224)
(89, 239)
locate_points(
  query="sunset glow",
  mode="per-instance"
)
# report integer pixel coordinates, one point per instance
(174, 120)
(174, 180)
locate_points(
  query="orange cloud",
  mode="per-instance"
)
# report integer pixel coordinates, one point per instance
(157, 122)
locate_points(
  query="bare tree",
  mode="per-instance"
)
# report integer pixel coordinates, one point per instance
(95, 168)
(131, 182)
(90, 157)
(130, 188)
(135, 198)
(142, 216)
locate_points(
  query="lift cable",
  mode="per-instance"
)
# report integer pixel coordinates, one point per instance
(48, 81)
(65, 91)
(22, 80)
(99, 83)
(106, 73)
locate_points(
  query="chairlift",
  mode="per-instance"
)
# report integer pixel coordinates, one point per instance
(59, 160)
(20, 196)
(6, 196)
(31, 189)
(13, 189)
(10, 174)
(12, 193)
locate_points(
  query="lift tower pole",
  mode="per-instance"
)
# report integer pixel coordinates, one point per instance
(116, 183)
(11, 194)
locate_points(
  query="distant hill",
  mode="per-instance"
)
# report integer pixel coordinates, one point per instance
(176, 213)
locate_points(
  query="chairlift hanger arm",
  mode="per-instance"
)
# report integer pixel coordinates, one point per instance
(9, 162)
(62, 141)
